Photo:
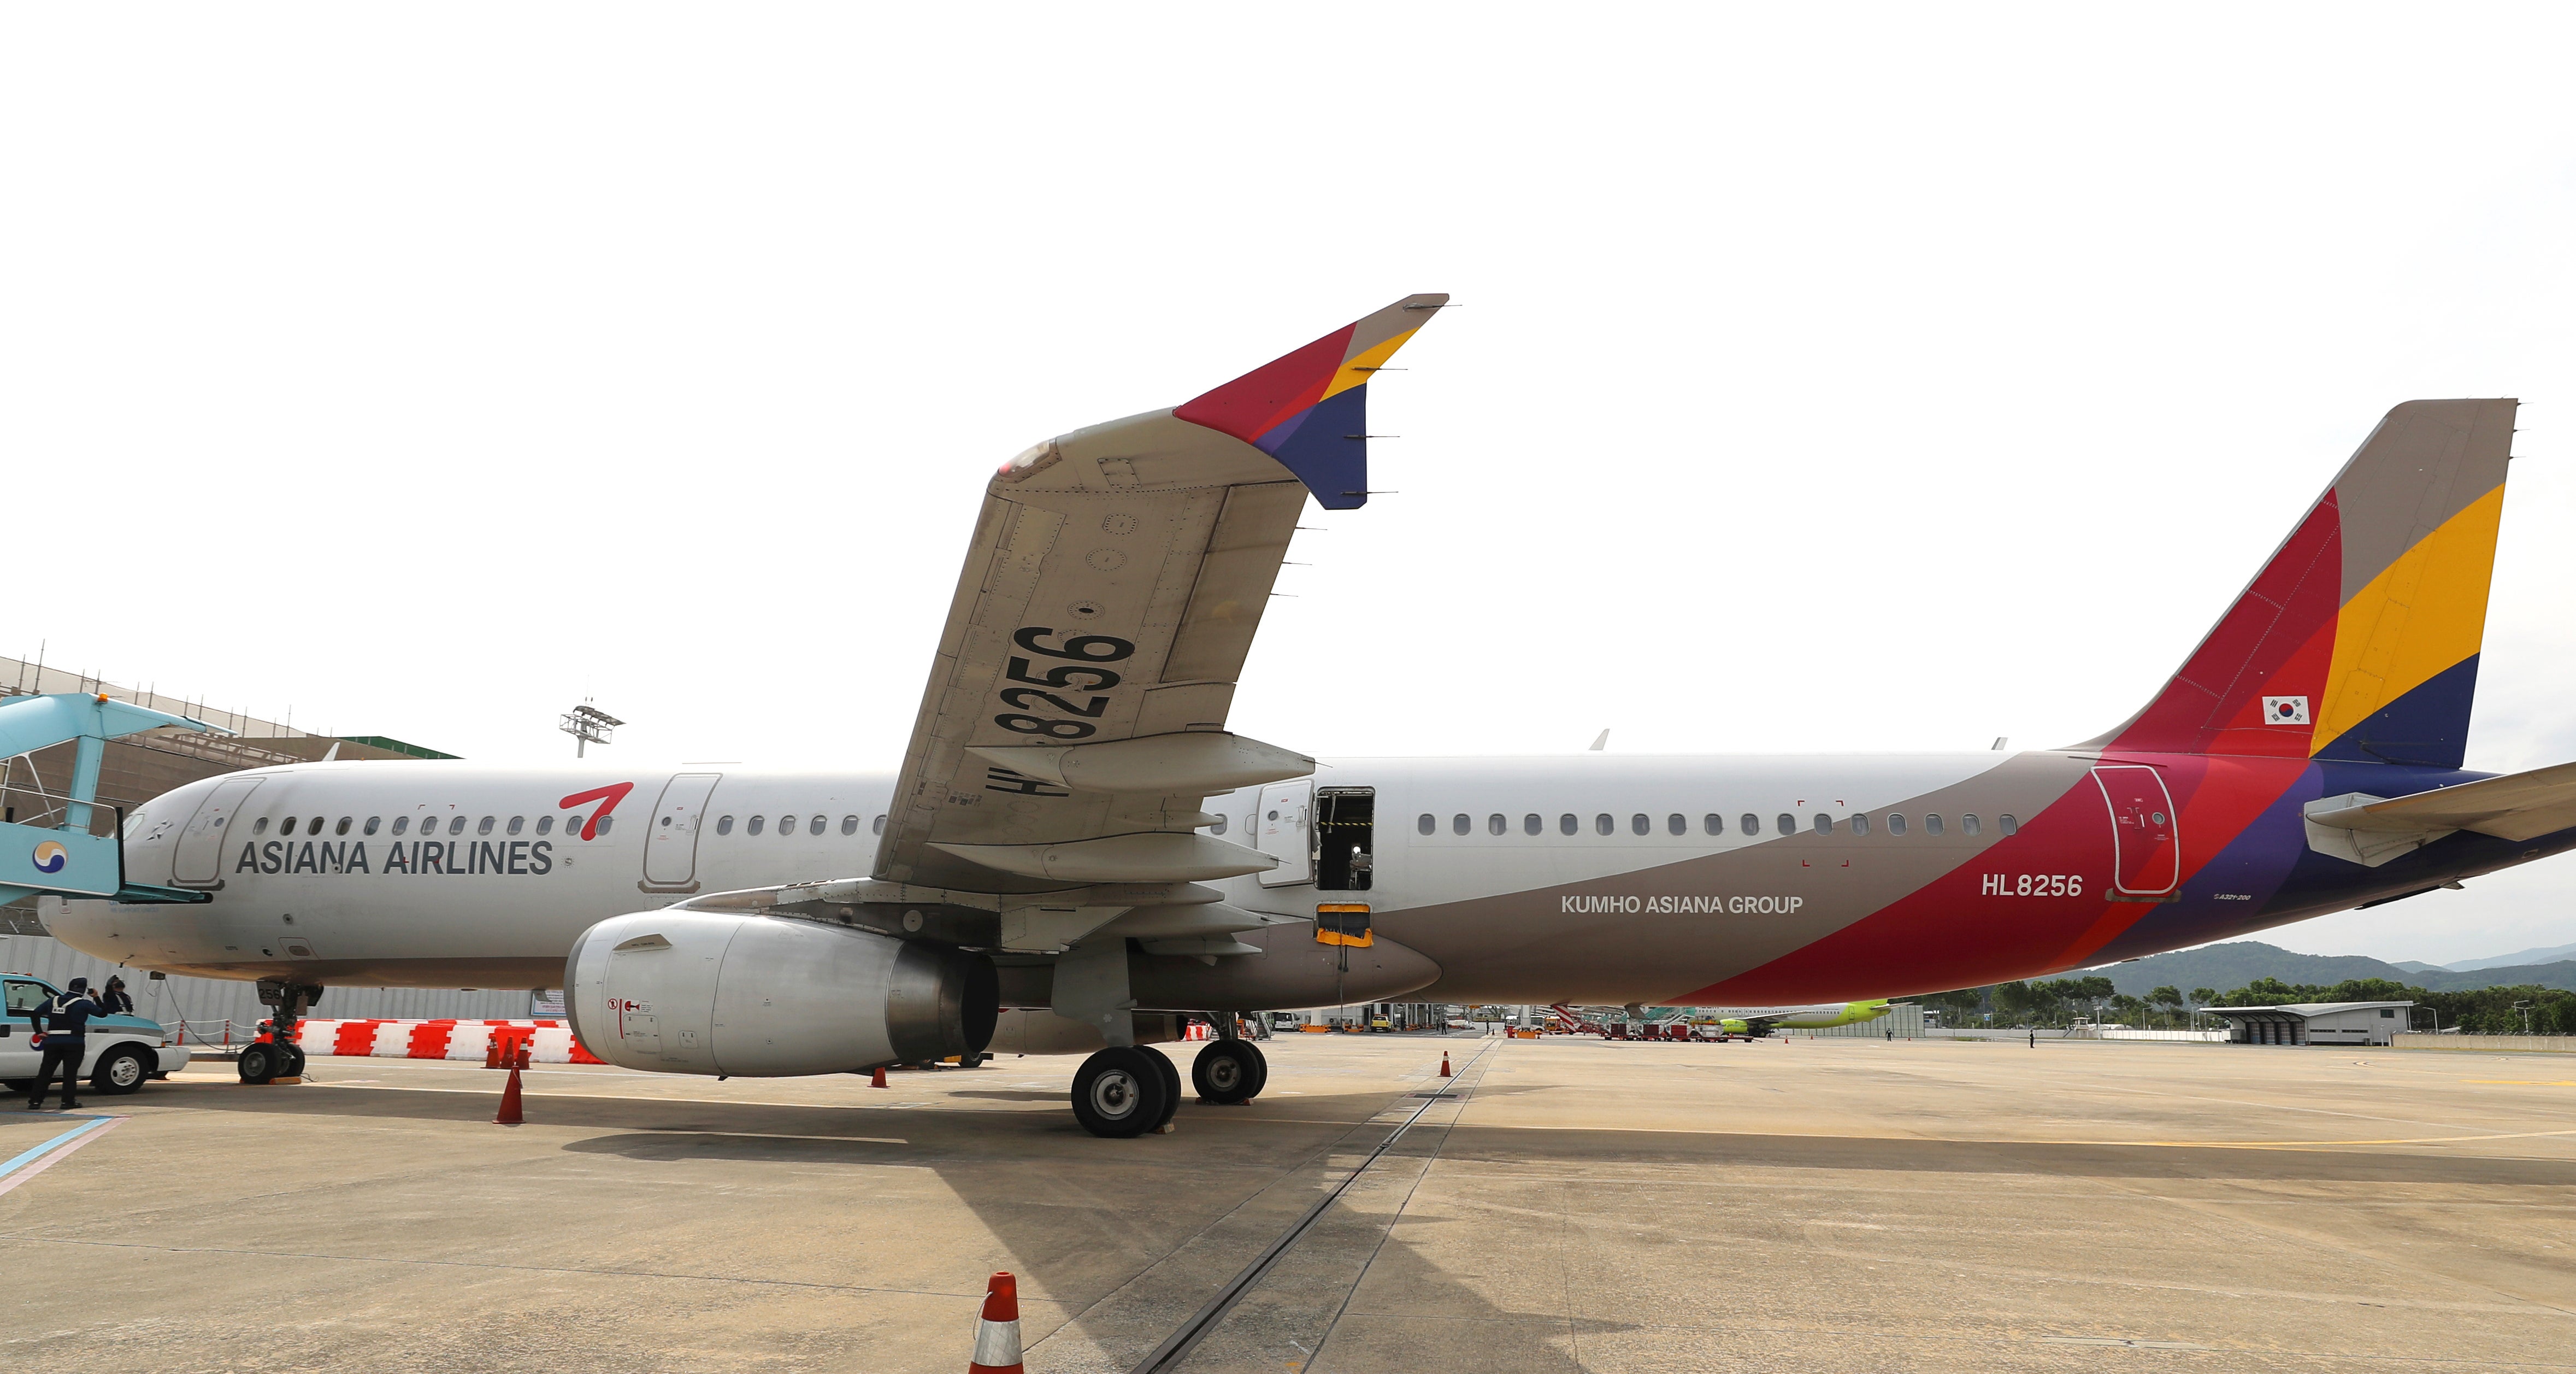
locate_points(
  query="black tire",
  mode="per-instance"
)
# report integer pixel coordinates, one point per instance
(19, 1087)
(1229, 1071)
(1171, 1086)
(1118, 1093)
(290, 1063)
(123, 1069)
(258, 1062)
(972, 1061)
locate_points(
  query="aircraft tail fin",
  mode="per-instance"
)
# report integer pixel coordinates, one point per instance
(2359, 639)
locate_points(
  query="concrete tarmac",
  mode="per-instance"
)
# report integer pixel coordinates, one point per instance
(1573, 1204)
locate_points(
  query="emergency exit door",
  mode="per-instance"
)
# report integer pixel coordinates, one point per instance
(1283, 830)
(2146, 848)
(671, 847)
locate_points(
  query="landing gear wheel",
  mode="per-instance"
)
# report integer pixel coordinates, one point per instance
(972, 1061)
(1171, 1086)
(258, 1062)
(290, 1063)
(1229, 1071)
(1118, 1092)
(121, 1072)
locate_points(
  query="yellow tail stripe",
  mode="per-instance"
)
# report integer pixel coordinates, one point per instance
(2422, 615)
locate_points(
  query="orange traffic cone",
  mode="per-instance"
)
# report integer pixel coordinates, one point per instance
(1444, 1064)
(997, 1331)
(509, 1113)
(878, 1079)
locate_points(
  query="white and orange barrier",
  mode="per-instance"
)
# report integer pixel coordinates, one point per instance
(547, 1042)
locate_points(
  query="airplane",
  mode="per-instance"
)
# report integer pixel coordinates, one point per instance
(1075, 849)
(1761, 1021)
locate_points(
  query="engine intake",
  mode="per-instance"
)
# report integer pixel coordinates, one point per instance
(678, 991)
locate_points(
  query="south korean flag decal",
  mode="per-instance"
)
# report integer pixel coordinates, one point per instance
(2285, 710)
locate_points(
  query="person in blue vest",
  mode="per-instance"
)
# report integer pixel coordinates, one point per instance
(65, 1022)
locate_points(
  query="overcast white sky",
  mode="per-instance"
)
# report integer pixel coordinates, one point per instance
(1830, 378)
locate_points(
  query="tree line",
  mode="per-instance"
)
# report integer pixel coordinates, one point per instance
(2055, 1002)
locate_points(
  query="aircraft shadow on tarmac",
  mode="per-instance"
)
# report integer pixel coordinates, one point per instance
(1133, 1236)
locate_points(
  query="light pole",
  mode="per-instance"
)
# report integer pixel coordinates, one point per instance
(589, 725)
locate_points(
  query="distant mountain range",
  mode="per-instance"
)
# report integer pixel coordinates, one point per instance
(2517, 959)
(2239, 962)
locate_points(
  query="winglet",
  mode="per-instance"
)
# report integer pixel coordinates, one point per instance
(1309, 409)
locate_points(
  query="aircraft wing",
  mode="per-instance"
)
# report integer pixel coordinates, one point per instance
(1075, 718)
(2518, 806)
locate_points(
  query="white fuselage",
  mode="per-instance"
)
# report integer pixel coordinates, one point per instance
(436, 874)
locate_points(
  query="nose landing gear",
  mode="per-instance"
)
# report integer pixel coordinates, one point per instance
(275, 1054)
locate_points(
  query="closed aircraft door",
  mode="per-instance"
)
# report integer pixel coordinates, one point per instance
(200, 858)
(1284, 830)
(2146, 846)
(671, 847)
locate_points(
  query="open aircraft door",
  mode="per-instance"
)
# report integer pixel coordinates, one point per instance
(671, 846)
(1284, 830)
(200, 860)
(2146, 848)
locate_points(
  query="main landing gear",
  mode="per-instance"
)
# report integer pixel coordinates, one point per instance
(1129, 1090)
(275, 1055)
(1229, 1071)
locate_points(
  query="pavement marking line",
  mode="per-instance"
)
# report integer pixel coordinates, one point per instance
(45, 1156)
(2011, 1140)
(1177, 1346)
(2528, 1082)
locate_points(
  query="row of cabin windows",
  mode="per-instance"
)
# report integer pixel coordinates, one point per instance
(787, 825)
(1858, 823)
(545, 825)
(428, 825)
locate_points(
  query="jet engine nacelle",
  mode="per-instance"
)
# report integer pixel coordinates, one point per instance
(678, 991)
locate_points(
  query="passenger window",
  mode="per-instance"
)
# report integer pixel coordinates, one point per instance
(1677, 823)
(1788, 824)
(1824, 824)
(401, 824)
(877, 826)
(1426, 823)
(815, 826)
(1968, 824)
(724, 825)
(1752, 824)
(850, 825)
(288, 828)
(456, 826)
(1604, 824)
(600, 829)
(485, 827)
(1566, 824)
(572, 825)
(1458, 824)
(787, 825)
(1895, 824)
(1531, 824)
(2010, 826)
(372, 823)
(1216, 829)
(1860, 822)
(1496, 825)
(1931, 823)
(314, 826)
(260, 826)
(343, 827)
(516, 823)
(1713, 823)
(752, 826)
(545, 825)
(1641, 823)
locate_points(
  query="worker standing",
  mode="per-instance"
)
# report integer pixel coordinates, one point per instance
(66, 1030)
(115, 1000)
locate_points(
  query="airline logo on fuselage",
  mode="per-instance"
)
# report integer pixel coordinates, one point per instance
(447, 858)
